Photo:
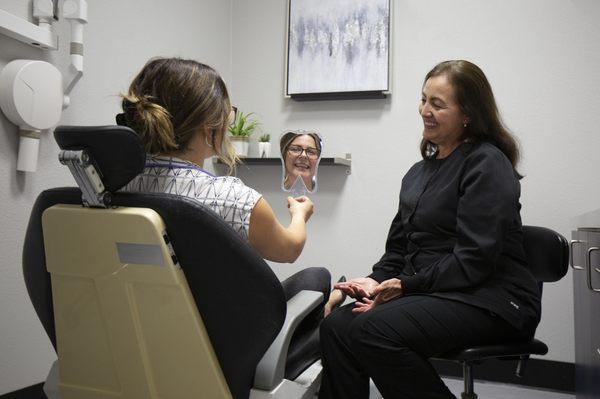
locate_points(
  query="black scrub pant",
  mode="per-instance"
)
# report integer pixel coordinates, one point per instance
(392, 342)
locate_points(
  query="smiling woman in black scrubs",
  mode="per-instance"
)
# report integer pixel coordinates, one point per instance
(453, 273)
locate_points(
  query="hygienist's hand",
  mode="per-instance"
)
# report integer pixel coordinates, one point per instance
(384, 292)
(357, 287)
(300, 207)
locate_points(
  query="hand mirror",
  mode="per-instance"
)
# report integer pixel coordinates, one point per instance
(300, 156)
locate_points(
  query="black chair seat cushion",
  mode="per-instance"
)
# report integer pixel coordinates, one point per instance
(239, 297)
(533, 347)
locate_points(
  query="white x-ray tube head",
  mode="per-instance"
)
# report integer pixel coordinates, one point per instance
(31, 97)
(29, 145)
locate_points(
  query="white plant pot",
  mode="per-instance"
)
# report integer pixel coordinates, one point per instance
(240, 145)
(264, 150)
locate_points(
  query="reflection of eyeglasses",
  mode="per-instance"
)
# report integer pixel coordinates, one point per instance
(311, 152)
(232, 115)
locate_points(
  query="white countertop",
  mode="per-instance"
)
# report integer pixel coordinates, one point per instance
(588, 219)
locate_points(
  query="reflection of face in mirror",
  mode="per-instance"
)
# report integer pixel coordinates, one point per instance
(300, 153)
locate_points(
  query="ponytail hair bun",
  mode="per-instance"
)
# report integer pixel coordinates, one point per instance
(151, 121)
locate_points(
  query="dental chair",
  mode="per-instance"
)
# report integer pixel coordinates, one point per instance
(153, 295)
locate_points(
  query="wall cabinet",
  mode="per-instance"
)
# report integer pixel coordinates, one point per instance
(585, 261)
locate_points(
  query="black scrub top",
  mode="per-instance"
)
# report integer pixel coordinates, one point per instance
(458, 235)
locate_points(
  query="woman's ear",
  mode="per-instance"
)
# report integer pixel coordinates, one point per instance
(207, 132)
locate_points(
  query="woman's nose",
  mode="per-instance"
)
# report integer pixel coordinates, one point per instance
(425, 109)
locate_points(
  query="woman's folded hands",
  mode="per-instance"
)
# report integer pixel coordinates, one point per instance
(369, 293)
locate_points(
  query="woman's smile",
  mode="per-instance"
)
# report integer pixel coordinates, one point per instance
(303, 166)
(429, 123)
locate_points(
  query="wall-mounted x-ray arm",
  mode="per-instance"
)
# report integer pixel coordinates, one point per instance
(32, 93)
(45, 12)
(75, 11)
(24, 31)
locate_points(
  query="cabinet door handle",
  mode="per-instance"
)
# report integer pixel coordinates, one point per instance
(571, 251)
(589, 264)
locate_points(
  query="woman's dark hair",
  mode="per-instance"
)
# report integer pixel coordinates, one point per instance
(171, 99)
(476, 100)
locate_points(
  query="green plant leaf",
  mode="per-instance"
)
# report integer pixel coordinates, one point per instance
(244, 125)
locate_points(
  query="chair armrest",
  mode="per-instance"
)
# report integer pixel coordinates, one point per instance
(271, 368)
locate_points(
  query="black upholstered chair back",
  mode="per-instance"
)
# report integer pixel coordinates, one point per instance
(547, 253)
(239, 298)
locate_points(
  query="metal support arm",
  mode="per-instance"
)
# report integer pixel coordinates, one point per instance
(92, 189)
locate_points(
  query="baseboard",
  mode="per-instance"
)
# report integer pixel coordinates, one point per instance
(33, 392)
(540, 373)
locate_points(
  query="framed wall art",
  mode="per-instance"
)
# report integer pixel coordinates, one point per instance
(338, 49)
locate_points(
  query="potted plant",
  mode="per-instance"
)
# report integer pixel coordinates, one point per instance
(240, 131)
(264, 146)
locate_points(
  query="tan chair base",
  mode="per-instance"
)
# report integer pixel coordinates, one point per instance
(126, 323)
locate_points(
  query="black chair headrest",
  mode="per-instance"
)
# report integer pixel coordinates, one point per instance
(547, 253)
(116, 151)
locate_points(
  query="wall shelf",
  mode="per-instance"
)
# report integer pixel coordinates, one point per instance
(325, 161)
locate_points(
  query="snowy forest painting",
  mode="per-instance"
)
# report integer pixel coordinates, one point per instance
(338, 46)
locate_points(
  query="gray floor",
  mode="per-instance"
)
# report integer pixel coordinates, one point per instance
(492, 390)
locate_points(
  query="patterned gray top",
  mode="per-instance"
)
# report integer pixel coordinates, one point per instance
(228, 196)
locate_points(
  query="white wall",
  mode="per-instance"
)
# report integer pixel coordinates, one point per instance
(120, 37)
(543, 60)
(541, 57)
